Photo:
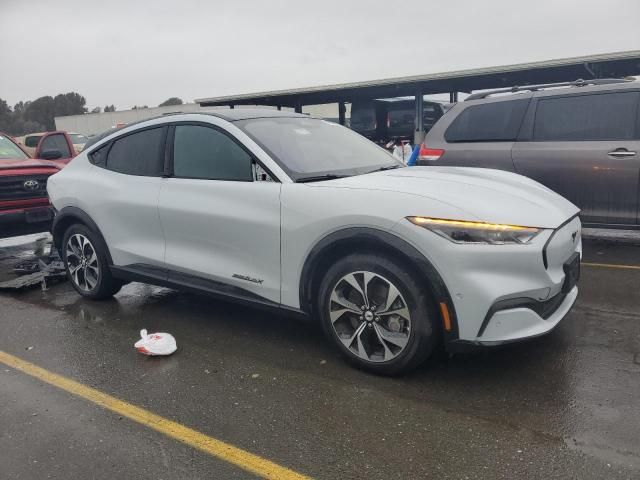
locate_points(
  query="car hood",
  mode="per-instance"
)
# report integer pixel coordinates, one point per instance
(479, 194)
(31, 163)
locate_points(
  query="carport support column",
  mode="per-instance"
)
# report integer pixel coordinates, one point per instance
(418, 134)
(453, 97)
(298, 107)
(342, 113)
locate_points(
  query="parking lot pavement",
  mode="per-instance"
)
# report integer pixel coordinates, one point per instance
(562, 406)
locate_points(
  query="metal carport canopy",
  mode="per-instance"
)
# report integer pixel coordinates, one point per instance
(617, 64)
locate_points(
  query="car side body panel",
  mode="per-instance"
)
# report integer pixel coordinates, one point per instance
(124, 207)
(224, 231)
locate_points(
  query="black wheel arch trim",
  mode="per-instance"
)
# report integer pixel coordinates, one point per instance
(185, 282)
(74, 213)
(384, 239)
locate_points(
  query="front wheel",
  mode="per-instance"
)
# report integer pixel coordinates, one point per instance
(86, 264)
(377, 313)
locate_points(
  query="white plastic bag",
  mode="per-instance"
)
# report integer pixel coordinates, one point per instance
(156, 343)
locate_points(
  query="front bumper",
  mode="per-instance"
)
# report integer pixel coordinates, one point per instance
(23, 221)
(502, 293)
(520, 323)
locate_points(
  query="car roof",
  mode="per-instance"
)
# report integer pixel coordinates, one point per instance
(229, 114)
(557, 89)
(235, 114)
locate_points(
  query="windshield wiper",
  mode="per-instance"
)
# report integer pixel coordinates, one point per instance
(388, 167)
(319, 178)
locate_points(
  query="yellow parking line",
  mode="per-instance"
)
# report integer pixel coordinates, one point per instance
(217, 448)
(610, 265)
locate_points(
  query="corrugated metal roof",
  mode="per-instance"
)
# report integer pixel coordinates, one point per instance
(622, 63)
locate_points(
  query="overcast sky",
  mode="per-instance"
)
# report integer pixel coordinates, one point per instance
(128, 52)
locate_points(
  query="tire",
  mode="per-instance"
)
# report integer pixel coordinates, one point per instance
(85, 260)
(390, 343)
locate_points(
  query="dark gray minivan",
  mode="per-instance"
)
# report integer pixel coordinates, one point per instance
(580, 139)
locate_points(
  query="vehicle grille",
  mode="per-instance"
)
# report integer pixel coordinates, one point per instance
(13, 187)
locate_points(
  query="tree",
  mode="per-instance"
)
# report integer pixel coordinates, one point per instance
(37, 116)
(136, 107)
(171, 101)
(41, 110)
(71, 103)
(6, 116)
(109, 108)
(20, 126)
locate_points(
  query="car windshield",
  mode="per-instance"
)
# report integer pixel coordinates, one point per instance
(307, 148)
(10, 151)
(78, 139)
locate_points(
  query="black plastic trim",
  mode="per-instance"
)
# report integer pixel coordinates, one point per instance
(192, 283)
(544, 308)
(545, 260)
(384, 239)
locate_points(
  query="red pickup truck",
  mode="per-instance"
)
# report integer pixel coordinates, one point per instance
(24, 205)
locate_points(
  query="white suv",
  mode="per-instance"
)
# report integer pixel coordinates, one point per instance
(298, 214)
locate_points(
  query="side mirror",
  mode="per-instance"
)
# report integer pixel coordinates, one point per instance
(50, 154)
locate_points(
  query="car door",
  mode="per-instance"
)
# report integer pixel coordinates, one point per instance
(586, 148)
(55, 146)
(222, 228)
(121, 195)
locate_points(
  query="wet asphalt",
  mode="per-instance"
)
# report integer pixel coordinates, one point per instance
(566, 405)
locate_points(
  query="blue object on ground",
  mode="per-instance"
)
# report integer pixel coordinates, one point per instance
(414, 156)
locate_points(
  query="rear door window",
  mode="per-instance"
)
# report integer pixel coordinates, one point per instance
(490, 122)
(140, 153)
(206, 153)
(32, 141)
(607, 116)
(56, 142)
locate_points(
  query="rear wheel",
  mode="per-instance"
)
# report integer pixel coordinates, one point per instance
(86, 264)
(377, 313)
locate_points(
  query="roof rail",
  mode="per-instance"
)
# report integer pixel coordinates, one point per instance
(532, 88)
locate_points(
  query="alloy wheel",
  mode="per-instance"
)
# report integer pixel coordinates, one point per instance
(370, 316)
(82, 262)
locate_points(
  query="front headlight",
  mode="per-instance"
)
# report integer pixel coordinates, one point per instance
(462, 231)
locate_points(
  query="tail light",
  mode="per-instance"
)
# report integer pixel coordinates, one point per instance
(429, 154)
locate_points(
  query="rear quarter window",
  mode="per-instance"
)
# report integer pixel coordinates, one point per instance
(490, 122)
(32, 141)
(139, 153)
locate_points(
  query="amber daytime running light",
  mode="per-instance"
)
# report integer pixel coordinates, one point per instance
(463, 231)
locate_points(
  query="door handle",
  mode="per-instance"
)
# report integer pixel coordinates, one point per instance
(621, 153)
